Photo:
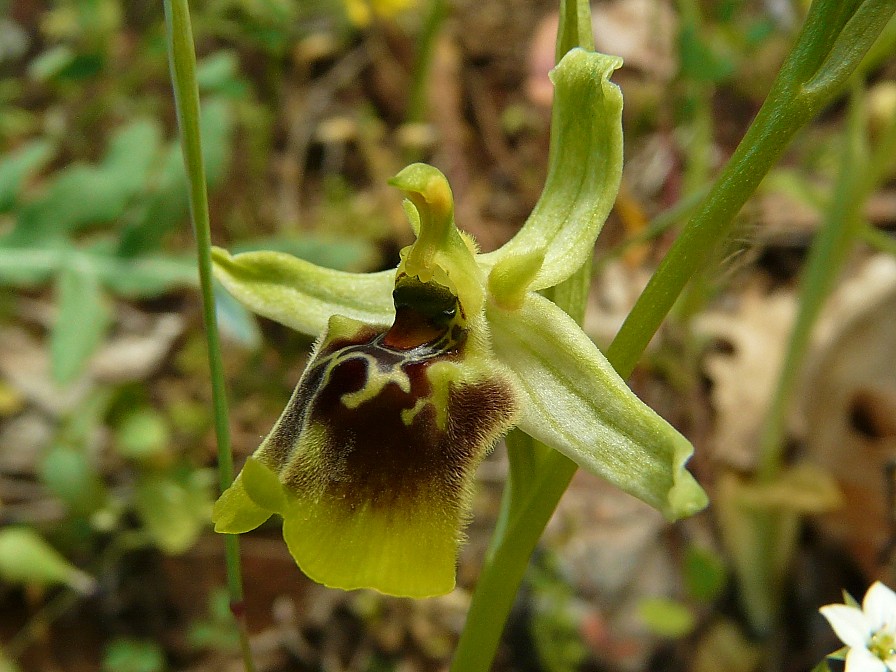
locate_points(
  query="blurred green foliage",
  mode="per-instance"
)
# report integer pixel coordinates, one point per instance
(127, 654)
(94, 216)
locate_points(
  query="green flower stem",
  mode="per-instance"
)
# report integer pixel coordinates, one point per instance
(808, 80)
(528, 511)
(182, 57)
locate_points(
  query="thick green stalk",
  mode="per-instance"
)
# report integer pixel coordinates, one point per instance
(182, 60)
(787, 108)
(799, 92)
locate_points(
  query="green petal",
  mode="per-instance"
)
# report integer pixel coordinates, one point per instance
(576, 403)
(585, 167)
(300, 294)
(235, 512)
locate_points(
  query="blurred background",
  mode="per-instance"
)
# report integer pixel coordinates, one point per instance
(107, 560)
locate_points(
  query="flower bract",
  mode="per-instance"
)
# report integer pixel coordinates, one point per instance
(869, 631)
(418, 371)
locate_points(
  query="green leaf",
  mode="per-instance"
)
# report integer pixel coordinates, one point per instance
(70, 475)
(575, 402)
(25, 558)
(174, 506)
(704, 573)
(81, 322)
(301, 295)
(127, 654)
(142, 434)
(841, 653)
(167, 205)
(219, 72)
(131, 153)
(584, 169)
(84, 195)
(145, 276)
(17, 167)
(27, 266)
(666, 617)
(164, 208)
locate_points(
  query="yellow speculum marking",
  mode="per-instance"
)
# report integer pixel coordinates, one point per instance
(376, 381)
(409, 414)
(441, 375)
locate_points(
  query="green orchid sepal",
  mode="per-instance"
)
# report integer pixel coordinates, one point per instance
(575, 402)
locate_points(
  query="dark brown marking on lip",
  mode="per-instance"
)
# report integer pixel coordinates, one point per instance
(369, 456)
(280, 443)
(372, 458)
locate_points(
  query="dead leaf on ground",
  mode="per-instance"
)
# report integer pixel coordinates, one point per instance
(850, 406)
(743, 367)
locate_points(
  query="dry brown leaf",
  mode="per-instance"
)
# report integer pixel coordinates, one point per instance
(744, 368)
(850, 406)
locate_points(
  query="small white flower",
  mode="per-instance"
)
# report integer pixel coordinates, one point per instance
(869, 632)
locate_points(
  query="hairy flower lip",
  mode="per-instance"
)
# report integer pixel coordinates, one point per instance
(521, 361)
(405, 486)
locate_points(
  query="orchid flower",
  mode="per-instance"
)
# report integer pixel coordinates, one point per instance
(869, 631)
(418, 371)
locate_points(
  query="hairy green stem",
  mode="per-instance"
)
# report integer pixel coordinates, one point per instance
(791, 103)
(182, 60)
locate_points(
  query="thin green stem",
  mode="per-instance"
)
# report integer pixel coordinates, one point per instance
(657, 226)
(826, 257)
(438, 10)
(182, 59)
